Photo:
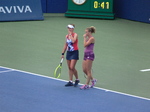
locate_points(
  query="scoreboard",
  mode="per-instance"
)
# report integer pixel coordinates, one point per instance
(90, 9)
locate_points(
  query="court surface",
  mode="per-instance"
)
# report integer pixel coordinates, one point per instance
(121, 65)
(28, 92)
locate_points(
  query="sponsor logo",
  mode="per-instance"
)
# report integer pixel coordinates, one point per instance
(15, 9)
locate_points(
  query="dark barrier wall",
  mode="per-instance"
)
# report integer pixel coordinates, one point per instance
(44, 7)
(17, 10)
(57, 6)
(138, 10)
(54, 6)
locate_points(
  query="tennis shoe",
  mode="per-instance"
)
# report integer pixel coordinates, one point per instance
(84, 87)
(76, 83)
(69, 84)
(93, 82)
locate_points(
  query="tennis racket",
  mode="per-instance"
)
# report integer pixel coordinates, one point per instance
(86, 75)
(57, 71)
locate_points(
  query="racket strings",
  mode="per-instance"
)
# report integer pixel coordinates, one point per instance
(57, 73)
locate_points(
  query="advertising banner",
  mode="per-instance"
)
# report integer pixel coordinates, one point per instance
(20, 10)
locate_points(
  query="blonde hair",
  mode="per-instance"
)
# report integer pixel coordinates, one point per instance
(91, 29)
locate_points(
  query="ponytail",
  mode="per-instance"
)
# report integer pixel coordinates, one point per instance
(91, 29)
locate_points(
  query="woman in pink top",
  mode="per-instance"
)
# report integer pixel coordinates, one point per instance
(89, 56)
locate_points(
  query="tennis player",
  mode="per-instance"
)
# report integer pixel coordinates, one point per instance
(89, 42)
(72, 56)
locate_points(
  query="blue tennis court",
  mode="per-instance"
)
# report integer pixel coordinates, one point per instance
(28, 92)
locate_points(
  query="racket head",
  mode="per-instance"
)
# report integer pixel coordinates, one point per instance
(57, 71)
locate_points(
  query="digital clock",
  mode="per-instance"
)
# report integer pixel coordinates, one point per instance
(90, 9)
(102, 5)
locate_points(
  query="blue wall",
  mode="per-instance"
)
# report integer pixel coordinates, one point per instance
(57, 6)
(44, 8)
(54, 6)
(138, 10)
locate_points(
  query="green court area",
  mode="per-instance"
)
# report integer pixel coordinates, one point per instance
(122, 49)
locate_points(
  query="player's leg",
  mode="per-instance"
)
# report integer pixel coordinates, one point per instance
(89, 73)
(88, 70)
(70, 70)
(70, 83)
(73, 69)
(84, 66)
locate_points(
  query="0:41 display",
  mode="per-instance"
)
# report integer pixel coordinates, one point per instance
(103, 5)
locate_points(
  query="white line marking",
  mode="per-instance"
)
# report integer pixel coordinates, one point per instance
(106, 90)
(6, 71)
(145, 70)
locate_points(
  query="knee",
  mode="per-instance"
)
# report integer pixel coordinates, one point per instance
(88, 71)
(71, 68)
(84, 70)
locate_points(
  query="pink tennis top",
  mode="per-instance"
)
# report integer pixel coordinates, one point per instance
(89, 48)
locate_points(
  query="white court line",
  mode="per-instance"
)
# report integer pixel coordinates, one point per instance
(106, 90)
(145, 70)
(6, 71)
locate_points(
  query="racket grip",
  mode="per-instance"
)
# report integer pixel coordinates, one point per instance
(61, 60)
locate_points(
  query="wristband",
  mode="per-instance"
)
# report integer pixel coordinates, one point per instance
(62, 53)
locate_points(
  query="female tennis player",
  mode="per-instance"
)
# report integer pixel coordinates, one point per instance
(88, 56)
(71, 45)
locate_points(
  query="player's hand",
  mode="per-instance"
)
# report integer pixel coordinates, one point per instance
(62, 56)
(70, 35)
(85, 35)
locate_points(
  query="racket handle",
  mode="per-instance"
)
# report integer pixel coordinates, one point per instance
(61, 60)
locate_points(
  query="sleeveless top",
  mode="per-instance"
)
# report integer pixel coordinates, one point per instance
(70, 45)
(89, 48)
